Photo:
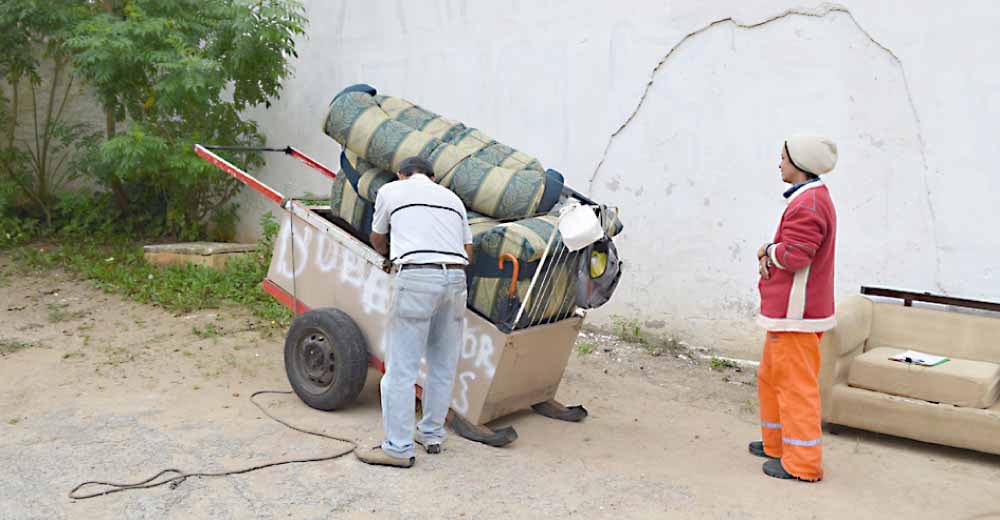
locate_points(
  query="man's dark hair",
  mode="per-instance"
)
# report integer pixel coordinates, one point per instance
(415, 164)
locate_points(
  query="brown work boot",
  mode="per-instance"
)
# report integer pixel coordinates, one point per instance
(375, 456)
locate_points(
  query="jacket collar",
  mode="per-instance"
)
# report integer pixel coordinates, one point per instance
(798, 189)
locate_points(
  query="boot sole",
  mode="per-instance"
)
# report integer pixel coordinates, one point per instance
(784, 475)
(391, 464)
(404, 465)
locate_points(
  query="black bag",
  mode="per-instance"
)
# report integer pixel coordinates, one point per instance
(599, 271)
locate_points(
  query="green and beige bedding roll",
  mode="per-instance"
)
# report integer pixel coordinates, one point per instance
(507, 193)
(346, 205)
(379, 132)
(526, 240)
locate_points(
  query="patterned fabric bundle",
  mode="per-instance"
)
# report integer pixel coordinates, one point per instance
(379, 132)
(352, 209)
(365, 178)
(488, 284)
(525, 240)
(503, 189)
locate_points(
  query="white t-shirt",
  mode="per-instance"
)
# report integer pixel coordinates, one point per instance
(427, 222)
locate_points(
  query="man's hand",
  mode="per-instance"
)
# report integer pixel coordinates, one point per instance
(765, 267)
(763, 250)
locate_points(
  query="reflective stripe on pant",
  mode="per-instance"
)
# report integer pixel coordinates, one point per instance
(426, 316)
(790, 412)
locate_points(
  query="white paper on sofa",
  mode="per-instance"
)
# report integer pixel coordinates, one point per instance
(919, 358)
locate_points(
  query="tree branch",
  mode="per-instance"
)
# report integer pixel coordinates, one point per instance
(31, 154)
(15, 107)
(34, 113)
(24, 188)
(43, 169)
(66, 93)
(57, 180)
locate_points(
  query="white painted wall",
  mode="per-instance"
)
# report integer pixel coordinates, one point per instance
(676, 112)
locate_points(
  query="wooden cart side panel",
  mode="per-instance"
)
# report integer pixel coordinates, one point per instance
(531, 368)
(333, 269)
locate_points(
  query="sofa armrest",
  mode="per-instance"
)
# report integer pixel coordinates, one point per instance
(842, 344)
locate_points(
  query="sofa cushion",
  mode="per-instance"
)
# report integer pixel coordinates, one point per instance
(956, 334)
(352, 209)
(960, 382)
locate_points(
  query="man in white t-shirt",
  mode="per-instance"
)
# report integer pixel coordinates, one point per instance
(424, 230)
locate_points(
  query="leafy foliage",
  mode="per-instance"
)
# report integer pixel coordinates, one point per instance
(35, 68)
(182, 72)
(167, 74)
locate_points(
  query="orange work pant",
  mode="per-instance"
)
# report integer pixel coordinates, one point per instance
(790, 411)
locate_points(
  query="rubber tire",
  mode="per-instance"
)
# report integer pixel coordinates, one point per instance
(350, 351)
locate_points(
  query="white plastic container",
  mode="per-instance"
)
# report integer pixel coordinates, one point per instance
(579, 227)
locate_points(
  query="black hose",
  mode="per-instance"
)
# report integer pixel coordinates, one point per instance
(181, 476)
(286, 150)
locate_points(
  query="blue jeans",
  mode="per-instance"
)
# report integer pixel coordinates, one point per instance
(426, 318)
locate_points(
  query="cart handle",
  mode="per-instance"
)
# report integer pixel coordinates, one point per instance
(239, 174)
(288, 150)
(206, 153)
(313, 163)
(513, 280)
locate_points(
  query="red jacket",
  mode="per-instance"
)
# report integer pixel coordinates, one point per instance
(799, 295)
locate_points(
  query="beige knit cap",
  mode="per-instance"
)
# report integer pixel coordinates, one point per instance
(811, 154)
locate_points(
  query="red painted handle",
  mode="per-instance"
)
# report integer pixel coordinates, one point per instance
(313, 163)
(241, 175)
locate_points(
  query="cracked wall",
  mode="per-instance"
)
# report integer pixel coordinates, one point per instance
(676, 114)
(724, 100)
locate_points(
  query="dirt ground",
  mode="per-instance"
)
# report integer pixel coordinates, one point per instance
(95, 387)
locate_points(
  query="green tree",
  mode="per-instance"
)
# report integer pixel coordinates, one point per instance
(33, 35)
(178, 72)
(167, 74)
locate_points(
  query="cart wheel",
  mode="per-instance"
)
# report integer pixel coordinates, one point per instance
(326, 358)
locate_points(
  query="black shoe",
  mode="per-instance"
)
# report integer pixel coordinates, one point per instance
(757, 448)
(773, 468)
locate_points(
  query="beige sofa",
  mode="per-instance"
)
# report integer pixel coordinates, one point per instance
(954, 403)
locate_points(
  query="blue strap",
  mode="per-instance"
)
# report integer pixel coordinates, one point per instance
(348, 169)
(553, 189)
(360, 87)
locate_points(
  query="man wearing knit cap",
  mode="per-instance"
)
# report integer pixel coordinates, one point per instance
(796, 307)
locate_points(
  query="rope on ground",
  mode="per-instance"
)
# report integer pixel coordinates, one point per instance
(180, 476)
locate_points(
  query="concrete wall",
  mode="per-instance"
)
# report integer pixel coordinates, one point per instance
(675, 111)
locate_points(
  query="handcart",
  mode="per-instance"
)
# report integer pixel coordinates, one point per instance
(339, 290)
